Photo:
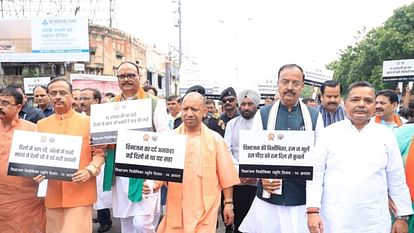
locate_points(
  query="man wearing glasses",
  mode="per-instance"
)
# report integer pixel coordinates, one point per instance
(27, 112)
(137, 214)
(21, 210)
(69, 204)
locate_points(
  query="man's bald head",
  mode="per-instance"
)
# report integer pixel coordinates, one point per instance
(195, 96)
(193, 109)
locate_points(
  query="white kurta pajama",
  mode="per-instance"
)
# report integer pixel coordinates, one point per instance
(142, 216)
(104, 199)
(266, 217)
(354, 172)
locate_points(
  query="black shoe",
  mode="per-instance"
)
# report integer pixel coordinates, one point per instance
(104, 228)
(95, 220)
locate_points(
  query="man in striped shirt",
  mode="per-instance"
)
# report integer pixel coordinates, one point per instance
(330, 107)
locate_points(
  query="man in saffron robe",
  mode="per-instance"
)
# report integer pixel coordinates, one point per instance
(192, 206)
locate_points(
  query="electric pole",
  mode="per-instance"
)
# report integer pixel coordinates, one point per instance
(180, 52)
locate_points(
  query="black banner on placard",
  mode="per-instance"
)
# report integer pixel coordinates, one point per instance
(276, 172)
(109, 137)
(398, 78)
(313, 83)
(149, 172)
(104, 138)
(53, 173)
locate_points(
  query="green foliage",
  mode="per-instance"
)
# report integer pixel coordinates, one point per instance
(30, 72)
(363, 61)
(307, 91)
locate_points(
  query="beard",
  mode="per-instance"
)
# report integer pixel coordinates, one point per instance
(246, 114)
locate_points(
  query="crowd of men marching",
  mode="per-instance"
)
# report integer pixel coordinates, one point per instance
(363, 161)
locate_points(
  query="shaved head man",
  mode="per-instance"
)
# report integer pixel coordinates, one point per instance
(208, 171)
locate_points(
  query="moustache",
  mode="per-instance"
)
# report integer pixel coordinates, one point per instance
(379, 109)
(333, 103)
(58, 101)
(127, 82)
(246, 111)
(290, 92)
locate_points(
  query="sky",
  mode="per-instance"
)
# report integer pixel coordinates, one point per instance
(238, 42)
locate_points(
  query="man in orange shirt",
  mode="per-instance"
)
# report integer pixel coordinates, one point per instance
(69, 204)
(192, 206)
(386, 103)
(21, 210)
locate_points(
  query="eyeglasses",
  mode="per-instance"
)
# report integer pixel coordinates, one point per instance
(6, 104)
(85, 98)
(127, 76)
(55, 93)
(295, 84)
(230, 100)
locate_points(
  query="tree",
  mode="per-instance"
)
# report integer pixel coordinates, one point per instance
(363, 61)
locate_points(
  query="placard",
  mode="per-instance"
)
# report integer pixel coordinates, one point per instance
(281, 154)
(398, 70)
(56, 156)
(108, 118)
(150, 155)
(31, 82)
(317, 76)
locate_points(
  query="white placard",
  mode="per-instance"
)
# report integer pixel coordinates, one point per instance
(281, 154)
(149, 155)
(108, 118)
(267, 88)
(398, 70)
(55, 156)
(32, 82)
(317, 76)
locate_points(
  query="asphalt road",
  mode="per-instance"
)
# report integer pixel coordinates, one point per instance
(116, 226)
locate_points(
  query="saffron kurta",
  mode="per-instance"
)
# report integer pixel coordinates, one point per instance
(63, 194)
(192, 206)
(21, 211)
(353, 178)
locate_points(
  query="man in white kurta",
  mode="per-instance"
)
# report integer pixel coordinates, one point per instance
(245, 192)
(137, 216)
(355, 173)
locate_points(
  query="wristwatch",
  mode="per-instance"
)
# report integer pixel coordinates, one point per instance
(405, 218)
